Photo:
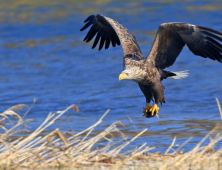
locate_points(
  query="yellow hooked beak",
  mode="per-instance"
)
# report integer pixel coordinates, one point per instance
(122, 76)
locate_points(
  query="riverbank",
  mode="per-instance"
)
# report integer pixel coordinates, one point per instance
(66, 150)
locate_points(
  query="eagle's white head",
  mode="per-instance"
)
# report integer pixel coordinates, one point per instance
(132, 73)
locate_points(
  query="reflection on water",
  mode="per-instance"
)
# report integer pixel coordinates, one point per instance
(43, 56)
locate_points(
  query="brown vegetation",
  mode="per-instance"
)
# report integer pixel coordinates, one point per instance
(57, 150)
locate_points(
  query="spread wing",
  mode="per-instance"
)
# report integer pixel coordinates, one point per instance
(172, 37)
(109, 31)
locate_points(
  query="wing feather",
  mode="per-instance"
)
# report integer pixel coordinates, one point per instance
(91, 34)
(172, 37)
(97, 39)
(103, 38)
(108, 32)
(87, 25)
(108, 39)
(215, 43)
(113, 39)
(91, 17)
(194, 48)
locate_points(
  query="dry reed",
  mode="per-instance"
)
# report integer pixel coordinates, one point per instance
(57, 150)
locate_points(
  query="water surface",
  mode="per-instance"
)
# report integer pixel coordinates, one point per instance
(43, 56)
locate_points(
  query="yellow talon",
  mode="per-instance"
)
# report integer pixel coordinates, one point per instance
(154, 109)
(150, 111)
(148, 107)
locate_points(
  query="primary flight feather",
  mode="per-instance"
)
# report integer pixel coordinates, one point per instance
(149, 72)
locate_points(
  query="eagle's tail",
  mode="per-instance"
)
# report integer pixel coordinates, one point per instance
(180, 74)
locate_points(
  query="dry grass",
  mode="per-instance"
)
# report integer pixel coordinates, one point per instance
(57, 150)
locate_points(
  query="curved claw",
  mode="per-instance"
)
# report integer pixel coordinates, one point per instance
(154, 109)
(150, 111)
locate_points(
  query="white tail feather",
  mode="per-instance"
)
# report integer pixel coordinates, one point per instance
(180, 74)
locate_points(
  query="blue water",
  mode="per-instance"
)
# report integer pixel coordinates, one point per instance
(43, 56)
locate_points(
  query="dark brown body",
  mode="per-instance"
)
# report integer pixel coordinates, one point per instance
(150, 85)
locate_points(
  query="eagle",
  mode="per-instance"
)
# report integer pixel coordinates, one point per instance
(169, 41)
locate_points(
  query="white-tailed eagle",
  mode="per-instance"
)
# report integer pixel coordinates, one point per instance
(149, 72)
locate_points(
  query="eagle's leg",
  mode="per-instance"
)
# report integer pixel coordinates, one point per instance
(148, 93)
(158, 92)
(147, 109)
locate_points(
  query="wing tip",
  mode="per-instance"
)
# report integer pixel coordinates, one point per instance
(89, 18)
(99, 25)
(82, 29)
(88, 21)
